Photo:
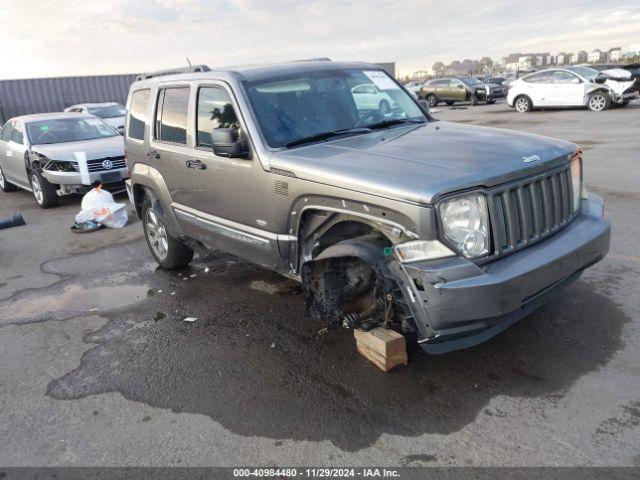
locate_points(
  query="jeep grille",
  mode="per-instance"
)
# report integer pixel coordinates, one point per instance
(527, 211)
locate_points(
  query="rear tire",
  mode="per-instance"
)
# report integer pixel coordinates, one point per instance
(522, 104)
(432, 100)
(599, 101)
(167, 251)
(385, 107)
(491, 101)
(5, 186)
(43, 191)
(474, 99)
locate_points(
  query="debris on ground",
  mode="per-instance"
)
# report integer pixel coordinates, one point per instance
(86, 227)
(386, 349)
(99, 208)
(190, 319)
(14, 220)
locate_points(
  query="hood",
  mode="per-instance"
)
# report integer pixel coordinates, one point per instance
(98, 148)
(117, 122)
(421, 163)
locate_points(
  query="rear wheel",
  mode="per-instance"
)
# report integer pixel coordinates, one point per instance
(474, 99)
(491, 101)
(5, 186)
(522, 104)
(43, 191)
(432, 100)
(167, 251)
(385, 107)
(598, 101)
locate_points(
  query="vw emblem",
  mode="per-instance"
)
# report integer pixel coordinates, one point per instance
(107, 164)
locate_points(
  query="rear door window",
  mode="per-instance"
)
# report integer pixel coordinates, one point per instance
(138, 114)
(564, 77)
(171, 115)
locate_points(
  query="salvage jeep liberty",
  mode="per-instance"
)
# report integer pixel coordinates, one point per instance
(448, 233)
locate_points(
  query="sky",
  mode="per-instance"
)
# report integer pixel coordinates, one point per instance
(85, 37)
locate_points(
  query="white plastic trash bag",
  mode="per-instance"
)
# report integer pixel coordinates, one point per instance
(98, 206)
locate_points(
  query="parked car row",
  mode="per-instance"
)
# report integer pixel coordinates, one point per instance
(596, 87)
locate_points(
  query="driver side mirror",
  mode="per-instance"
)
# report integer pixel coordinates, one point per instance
(226, 143)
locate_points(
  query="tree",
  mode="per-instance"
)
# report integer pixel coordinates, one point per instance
(456, 66)
(438, 68)
(486, 63)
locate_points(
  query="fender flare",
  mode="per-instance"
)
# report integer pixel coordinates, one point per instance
(144, 178)
(368, 248)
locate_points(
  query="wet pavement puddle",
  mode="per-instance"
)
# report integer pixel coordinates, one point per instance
(76, 298)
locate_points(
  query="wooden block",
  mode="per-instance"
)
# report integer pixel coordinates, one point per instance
(384, 348)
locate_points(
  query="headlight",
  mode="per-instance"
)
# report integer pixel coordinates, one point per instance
(422, 250)
(465, 223)
(488, 89)
(576, 180)
(61, 166)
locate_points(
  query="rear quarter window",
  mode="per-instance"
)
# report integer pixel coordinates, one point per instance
(138, 114)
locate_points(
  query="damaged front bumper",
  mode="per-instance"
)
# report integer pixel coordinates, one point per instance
(457, 303)
(75, 182)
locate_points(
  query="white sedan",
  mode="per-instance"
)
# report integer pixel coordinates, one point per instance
(369, 97)
(572, 87)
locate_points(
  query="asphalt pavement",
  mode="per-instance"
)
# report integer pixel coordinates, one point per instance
(98, 367)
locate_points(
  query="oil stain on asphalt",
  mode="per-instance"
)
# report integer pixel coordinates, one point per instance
(255, 364)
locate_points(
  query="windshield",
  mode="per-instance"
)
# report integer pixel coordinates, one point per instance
(311, 104)
(470, 80)
(110, 111)
(586, 72)
(62, 130)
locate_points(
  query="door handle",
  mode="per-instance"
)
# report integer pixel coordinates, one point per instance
(196, 165)
(153, 155)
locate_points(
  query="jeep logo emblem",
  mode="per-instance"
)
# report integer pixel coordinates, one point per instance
(107, 164)
(531, 158)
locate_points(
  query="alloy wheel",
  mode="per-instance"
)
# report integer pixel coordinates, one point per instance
(597, 103)
(522, 105)
(156, 234)
(37, 189)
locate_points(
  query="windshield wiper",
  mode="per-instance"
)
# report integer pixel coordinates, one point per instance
(393, 121)
(325, 135)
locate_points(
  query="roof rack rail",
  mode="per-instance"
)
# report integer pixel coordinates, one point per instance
(173, 71)
(318, 59)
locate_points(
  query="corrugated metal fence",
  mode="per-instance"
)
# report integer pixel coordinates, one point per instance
(39, 95)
